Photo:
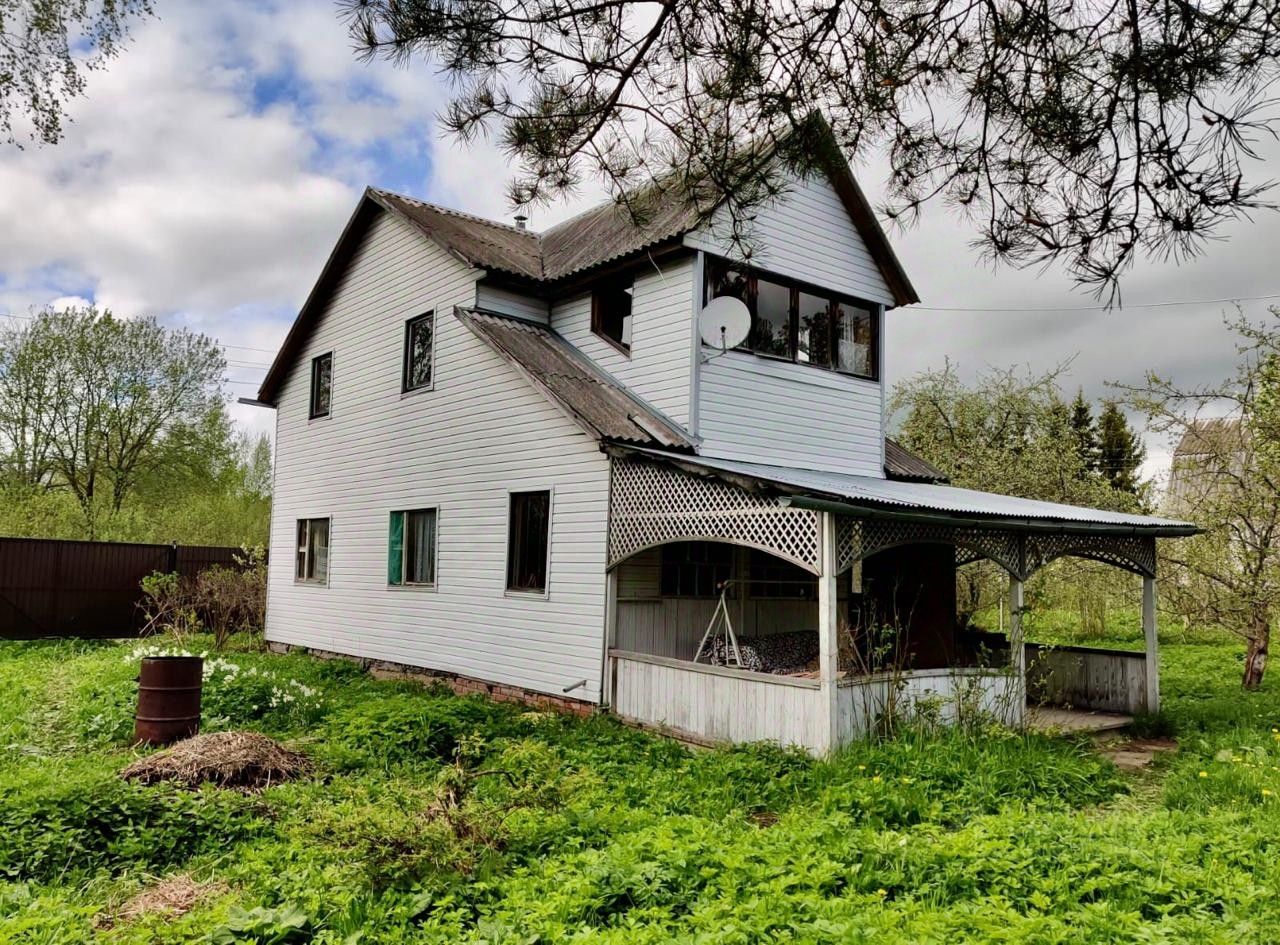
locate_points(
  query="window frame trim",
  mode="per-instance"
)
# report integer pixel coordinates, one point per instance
(794, 287)
(517, 593)
(406, 585)
(597, 327)
(305, 581)
(311, 387)
(405, 389)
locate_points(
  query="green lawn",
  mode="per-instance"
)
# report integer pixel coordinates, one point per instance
(438, 819)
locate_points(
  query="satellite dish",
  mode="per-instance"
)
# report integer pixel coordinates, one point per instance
(724, 323)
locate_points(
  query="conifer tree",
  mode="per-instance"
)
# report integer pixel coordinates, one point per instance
(1084, 429)
(1120, 452)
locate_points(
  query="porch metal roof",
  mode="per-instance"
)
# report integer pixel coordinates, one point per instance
(863, 495)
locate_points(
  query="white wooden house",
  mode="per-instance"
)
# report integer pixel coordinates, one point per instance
(506, 456)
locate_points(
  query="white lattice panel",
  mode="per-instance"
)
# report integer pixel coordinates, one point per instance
(653, 504)
(1131, 552)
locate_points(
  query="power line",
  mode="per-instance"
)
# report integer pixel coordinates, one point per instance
(1099, 308)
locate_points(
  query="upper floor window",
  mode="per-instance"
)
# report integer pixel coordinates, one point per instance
(321, 385)
(800, 324)
(528, 541)
(611, 312)
(419, 339)
(311, 563)
(411, 548)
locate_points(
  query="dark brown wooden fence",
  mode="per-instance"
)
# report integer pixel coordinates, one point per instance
(87, 589)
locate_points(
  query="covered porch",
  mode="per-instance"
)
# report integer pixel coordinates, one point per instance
(758, 603)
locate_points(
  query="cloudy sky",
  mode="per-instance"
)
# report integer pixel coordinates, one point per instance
(210, 169)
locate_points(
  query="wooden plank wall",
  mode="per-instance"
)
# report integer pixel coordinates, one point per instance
(861, 702)
(85, 589)
(716, 704)
(673, 626)
(1087, 678)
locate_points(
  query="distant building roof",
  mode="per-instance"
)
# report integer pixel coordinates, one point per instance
(1210, 435)
(562, 373)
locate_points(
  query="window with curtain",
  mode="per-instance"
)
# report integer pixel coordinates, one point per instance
(419, 338)
(798, 323)
(311, 564)
(528, 541)
(321, 385)
(411, 548)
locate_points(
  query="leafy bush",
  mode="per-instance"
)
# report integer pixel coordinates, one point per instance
(221, 600)
(233, 600)
(68, 822)
(411, 729)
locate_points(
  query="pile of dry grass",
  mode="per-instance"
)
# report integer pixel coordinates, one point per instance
(244, 761)
(173, 896)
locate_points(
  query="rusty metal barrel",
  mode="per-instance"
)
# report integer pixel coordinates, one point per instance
(168, 699)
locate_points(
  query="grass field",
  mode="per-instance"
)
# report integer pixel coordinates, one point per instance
(439, 819)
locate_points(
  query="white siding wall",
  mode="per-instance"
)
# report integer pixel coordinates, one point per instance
(752, 408)
(760, 410)
(460, 446)
(493, 299)
(806, 234)
(658, 369)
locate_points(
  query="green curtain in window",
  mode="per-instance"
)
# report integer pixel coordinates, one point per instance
(395, 549)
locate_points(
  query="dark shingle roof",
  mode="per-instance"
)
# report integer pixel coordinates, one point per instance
(480, 242)
(598, 403)
(902, 464)
(610, 231)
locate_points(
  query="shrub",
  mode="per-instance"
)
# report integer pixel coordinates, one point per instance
(222, 600)
(411, 728)
(232, 600)
(59, 823)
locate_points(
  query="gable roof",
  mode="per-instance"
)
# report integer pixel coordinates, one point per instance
(601, 235)
(604, 408)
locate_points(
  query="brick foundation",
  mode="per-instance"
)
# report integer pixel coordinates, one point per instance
(462, 685)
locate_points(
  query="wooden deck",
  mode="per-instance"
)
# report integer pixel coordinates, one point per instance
(1071, 721)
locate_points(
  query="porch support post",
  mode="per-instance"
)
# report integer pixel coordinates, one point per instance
(827, 738)
(610, 634)
(1149, 633)
(1017, 648)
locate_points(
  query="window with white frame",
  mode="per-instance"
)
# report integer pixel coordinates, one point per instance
(311, 566)
(411, 549)
(321, 385)
(419, 342)
(528, 541)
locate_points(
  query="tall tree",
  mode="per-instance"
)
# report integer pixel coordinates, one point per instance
(1084, 431)
(1120, 451)
(121, 400)
(46, 47)
(1005, 432)
(1080, 133)
(1226, 478)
